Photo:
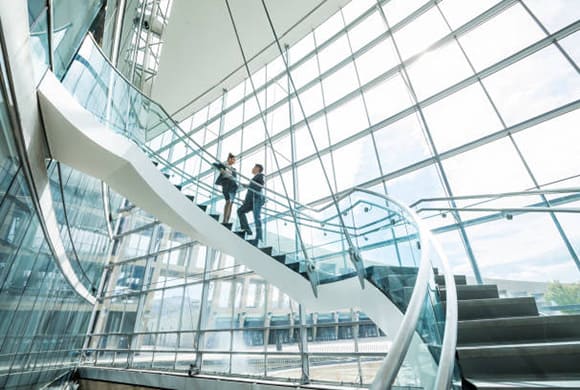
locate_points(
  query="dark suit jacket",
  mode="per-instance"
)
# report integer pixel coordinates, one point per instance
(255, 188)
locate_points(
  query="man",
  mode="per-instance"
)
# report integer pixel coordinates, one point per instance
(253, 202)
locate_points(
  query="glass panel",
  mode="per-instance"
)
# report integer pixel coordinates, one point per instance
(438, 69)
(556, 14)
(71, 21)
(421, 33)
(494, 167)
(376, 61)
(367, 30)
(501, 36)
(465, 116)
(457, 12)
(339, 83)
(387, 98)
(552, 149)
(407, 138)
(549, 79)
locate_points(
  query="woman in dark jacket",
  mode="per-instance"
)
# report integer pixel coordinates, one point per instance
(228, 180)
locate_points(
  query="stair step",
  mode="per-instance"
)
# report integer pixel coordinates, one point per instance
(202, 206)
(294, 266)
(190, 197)
(465, 292)
(228, 225)
(280, 258)
(252, 241)
(519, 330)
(476, 309)
(215, 216)
(542, 361)
(156, 163)
(167, 175)
(459, 280)
(240, 233)
(267, 250)
(178, 186)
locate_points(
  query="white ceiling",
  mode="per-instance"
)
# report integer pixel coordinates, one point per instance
(201, 56)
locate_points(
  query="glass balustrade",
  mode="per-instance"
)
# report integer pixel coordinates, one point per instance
(322, 242)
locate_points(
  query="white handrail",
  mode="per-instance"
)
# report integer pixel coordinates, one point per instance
(389, 369)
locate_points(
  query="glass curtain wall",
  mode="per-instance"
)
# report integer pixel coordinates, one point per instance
(43, 322)
(424, 99)
(173, 304)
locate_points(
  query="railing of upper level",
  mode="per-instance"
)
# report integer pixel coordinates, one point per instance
(320, 240)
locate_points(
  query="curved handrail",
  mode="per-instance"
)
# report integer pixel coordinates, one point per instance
(402, 340)
(388, 371)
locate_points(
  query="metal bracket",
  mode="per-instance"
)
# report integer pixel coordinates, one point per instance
(312, 277)
(357, 261)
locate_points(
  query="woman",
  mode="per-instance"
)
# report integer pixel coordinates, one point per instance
(227, 179)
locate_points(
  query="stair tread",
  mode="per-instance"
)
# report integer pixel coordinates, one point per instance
(518, 330)
(469, 292)
(459, 279)
(473, 309)
(524, 361)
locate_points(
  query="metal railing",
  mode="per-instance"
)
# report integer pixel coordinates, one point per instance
(407, 330)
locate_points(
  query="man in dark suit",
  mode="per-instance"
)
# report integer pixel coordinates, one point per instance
(253, 202)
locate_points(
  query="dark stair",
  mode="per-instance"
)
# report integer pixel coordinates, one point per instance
(267, 250)
(481, 291)
(294, 266)
(280, 258)
(505, 343)
(459, 280)
(519, 330)
(475, 309)
(215, 216)
(202, 206)
(190, 197)
(240, 233)
(228, 225)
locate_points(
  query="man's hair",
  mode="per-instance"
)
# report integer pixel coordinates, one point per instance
(260, 167)
(231, 155)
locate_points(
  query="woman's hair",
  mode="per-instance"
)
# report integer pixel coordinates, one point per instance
(231, 155)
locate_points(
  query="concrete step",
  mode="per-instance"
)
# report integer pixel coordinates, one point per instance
(465, 292)
(519, 330)
(476, 309)
(202, 206)
(459, 280)
(541, 361)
